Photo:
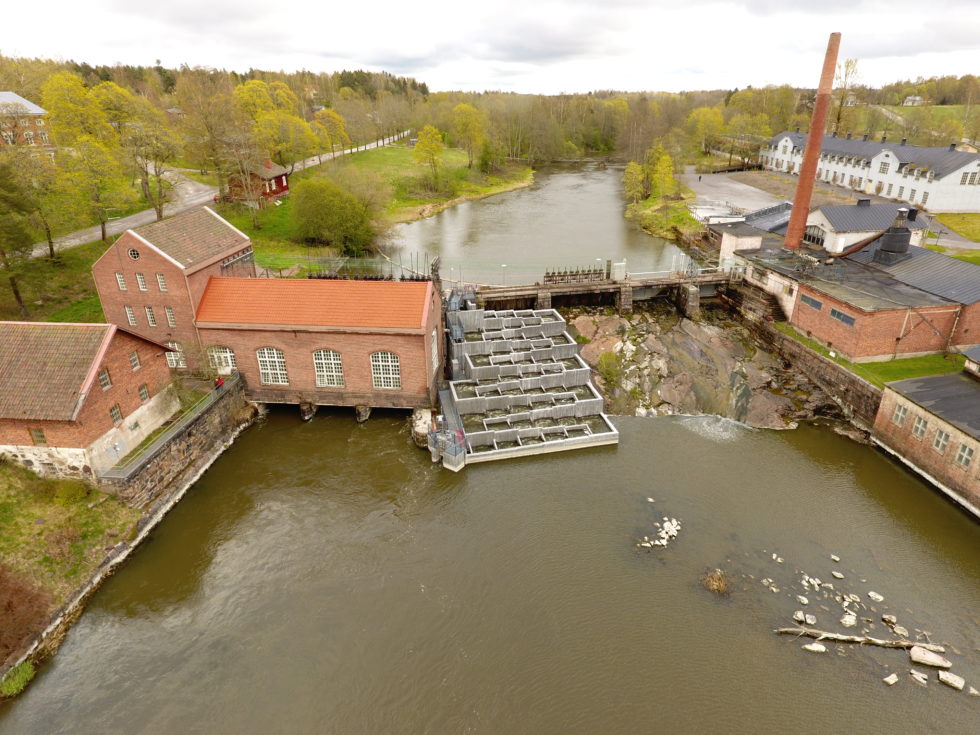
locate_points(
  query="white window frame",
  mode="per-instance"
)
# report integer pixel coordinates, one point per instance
(171, 320)
(899, 414)
(941, 441)
(176, 359)
(161, 282)
(105, 380)
(144, 393)
(272, 366)
(386, 371)
(151, 318)
(329, 368)
(964, 456)
(141, 281)
(919, 427)
(130, 316)
(115, 413)
(222, 359)
(121, 281)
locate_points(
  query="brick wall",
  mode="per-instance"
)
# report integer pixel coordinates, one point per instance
(355, 349)
(968, 328)
(874, 334)
(115, 260)
(921, 453)
(94, 420)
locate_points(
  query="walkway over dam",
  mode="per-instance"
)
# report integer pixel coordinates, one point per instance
(685, 288)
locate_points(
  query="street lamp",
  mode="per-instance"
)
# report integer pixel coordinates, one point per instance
(503, 273)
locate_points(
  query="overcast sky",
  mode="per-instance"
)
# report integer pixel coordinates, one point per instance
(536, 46)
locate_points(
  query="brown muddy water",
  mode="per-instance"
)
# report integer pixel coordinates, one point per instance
(325, 577)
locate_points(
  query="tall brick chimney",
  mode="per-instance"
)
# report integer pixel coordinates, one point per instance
(811, 154)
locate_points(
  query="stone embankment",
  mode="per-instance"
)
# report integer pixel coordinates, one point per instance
(655, 363)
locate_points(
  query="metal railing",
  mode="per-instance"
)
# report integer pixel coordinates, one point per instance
(131, 464)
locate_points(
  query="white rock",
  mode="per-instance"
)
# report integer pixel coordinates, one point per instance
(875, 596)
(836, 575)
(890, 619)
(890, 679)
(900, 631)
(799, 616)
(853, 598)
(802, 600)
(779, 560)
(767, 581)
(810, 619)
(651, 500)
(774, 588)
(919, 677)
(920, 655)
(974, 692)
(834, 557)
(952, 680)
(849, 620)
(815, 647)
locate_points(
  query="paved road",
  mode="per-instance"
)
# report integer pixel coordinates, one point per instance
(187, 194)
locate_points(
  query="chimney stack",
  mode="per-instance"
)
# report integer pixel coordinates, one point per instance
(811, 154)
(952, 146)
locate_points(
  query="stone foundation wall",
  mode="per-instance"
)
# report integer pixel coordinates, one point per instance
(186, 454)
(857, 397)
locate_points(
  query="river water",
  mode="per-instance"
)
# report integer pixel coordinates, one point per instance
(325, 577)
(570, 217)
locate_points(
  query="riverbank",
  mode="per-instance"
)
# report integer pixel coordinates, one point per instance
(417, 212)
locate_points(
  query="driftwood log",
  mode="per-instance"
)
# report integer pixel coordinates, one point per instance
(824, 635)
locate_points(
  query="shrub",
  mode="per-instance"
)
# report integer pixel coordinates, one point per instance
(610, 367)
(69, 492)
(716, 581)
(17, 678)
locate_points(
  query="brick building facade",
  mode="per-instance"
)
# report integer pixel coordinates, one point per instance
(77, 397)
(22, 122)
(933, 425)
(152, 278)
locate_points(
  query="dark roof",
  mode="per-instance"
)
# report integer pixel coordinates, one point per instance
(865, 288)
(953, 279)
(770, 219)
(973, 353)
(863, 217)
(739, 229)
(940, 160)
(11, 102)
(955, 398)
(47, 368)
(193, 237)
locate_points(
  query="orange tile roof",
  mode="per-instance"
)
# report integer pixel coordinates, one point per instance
(315, 302)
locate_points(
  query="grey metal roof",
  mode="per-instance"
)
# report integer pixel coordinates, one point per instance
(954, 398)
(12, 100)
(956, 280)
(973, 353)
(863, 218)
(771, 218)
(940, 160)
(739, 229)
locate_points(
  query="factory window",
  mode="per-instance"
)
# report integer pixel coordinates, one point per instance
(941, 440)
(811, 302)
(898, 416)
(842, 317)
(272, 366)
(919, 427)
(386, 371)
(964, 456)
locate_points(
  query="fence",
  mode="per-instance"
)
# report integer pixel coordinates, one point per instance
(132, 464)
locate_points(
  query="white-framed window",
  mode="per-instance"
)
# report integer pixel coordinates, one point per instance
(272, 366)
(222, 359)
(130, 316)
(912, 197)
(134, 360)
(925, 198)
(329, 369)
(151, 318)
(171, 321)
(883, 167)
(144, 393)
(8, 137)
(941, 440)
(964, 456)
(176, 359)
(899, 414)
(386, 371)
(29, 137)
(104, 380)
(161, 282)
(44, 138)
(38, 437)
(141, 281)
(115, 413)
(919, 427)
(963, 177)
(901, 192)
(121, 281)
(435, 351)
(133, 253)
(889, 192)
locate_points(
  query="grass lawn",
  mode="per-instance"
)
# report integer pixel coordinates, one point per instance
(659, 216)
(60, 290)
(879, 373)
(967, 225)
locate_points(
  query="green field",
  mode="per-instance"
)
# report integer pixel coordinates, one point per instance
(61, 290)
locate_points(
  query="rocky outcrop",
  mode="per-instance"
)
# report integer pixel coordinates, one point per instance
(654, 362)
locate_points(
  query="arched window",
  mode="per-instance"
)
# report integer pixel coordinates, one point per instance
(176, 359)
(272, 366)
(385, 371)
(222, 359)
(329, 369)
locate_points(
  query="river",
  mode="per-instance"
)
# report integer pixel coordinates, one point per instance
(570, 217)
(325, 577)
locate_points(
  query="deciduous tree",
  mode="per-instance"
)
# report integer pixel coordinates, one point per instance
(15, 237)
(634, 181)
(469, 127)
(427, 150)
(324, 213)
